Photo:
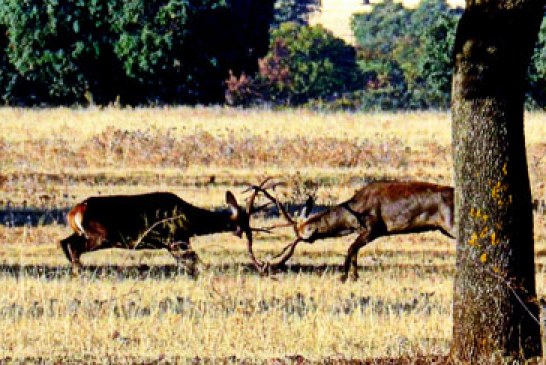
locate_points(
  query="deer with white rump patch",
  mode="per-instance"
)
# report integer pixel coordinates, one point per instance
(151, 221)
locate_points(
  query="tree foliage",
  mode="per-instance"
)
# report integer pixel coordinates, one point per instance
(182, 52)
(160, 51)
(163, 49)
(536, 95)
(435, 65)
(58, 47)
(303, 63)
(416, 42)
(318, 64)
(294, 11)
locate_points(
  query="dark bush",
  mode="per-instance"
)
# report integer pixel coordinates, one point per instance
(386, 87)
(61, 49)
(137, 51)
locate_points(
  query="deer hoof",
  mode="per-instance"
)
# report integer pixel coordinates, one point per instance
(343, 278)
(192, 271)
(75, 270)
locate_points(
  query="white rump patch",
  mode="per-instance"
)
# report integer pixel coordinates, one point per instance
(78, 221)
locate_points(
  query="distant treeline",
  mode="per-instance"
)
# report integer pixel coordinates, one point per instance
(242, 52)
(406, 56)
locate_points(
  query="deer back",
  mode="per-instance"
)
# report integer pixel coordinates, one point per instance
(124, 217)
(405, 207)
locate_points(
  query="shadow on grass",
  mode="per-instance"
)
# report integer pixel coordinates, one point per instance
(160, 272)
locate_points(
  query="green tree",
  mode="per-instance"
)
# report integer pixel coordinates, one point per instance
(295, 11)
(435, 65)
(382, 31)
(418, 41)
(495, 309)
(137, 51)
(60, 47)
(537, 72)
(386, 87)
(307, 63)
(159, 49)
(7, 72)
(386, 52)
(422, 21)
(181, 50)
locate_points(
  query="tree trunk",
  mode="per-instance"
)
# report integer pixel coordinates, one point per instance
(495, 309)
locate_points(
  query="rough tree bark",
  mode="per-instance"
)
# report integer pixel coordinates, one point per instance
(495, 312)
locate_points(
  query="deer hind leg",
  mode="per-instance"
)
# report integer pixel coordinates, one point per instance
(73, 246)
(64, 243)
(446, 223)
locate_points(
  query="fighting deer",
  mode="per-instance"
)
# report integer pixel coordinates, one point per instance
(152, 221)
(378, 209)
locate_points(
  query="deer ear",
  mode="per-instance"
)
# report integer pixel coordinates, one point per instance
(309, 204)
(231, 201)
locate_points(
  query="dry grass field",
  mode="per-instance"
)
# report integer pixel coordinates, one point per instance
(129, 307)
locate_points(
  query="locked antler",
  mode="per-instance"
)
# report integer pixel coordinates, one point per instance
(288, 250)
(250, 209)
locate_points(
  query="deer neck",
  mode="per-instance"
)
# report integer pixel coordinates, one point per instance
(352, 212)
(208, 222)
(338, 221)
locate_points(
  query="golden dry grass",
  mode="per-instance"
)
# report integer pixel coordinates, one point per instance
(134, 306)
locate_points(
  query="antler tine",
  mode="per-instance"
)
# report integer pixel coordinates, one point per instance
(287, 251)
(266, 184)
(250, 204)
(249, 210)
(261, 229)
(279, 205)
(284, 256)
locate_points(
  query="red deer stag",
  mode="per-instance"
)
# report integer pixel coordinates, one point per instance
(378, 209)
(152, 221)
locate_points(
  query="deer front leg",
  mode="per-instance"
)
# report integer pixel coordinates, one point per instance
(352, 256)
(183, 254)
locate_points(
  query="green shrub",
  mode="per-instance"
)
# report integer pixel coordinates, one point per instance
(386, 87)
(307, 62)
(435, 65)
(536, 95)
